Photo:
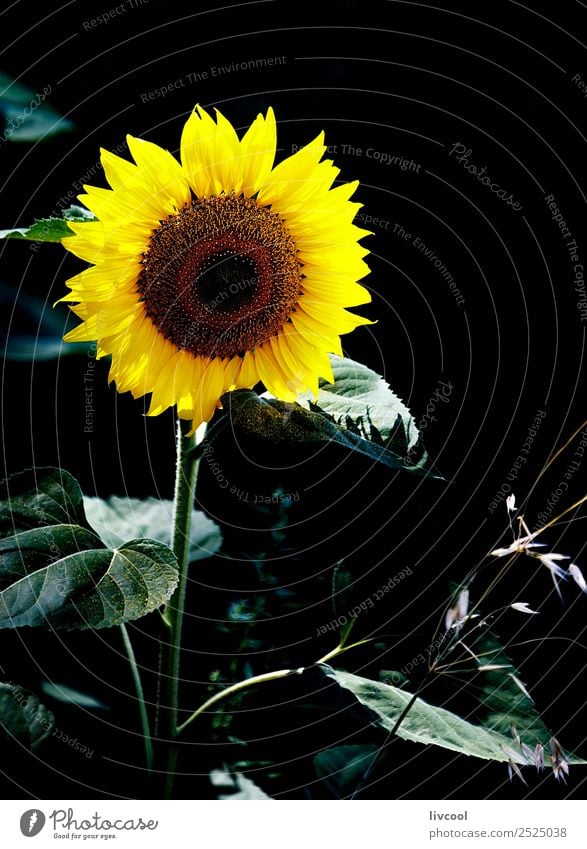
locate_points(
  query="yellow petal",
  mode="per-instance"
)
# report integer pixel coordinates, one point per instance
(258, 148)
(272, 375)
(228, 164)
(160, 170)
(210, 154)
(118, 171)
(208, 393)
(292, 172)
(165, 390)
(339, 319)
(294, 379)
(345, 294)
(316, 332)
(196, 139)
(247, 375)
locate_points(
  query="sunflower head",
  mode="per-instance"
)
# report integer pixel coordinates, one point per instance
(220, 271)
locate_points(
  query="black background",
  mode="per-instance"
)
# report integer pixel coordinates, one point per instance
(398, 78)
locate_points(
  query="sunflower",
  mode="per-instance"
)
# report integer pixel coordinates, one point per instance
(219, 272)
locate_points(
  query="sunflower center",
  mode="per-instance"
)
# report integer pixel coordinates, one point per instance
(227, 281)
(221, 276)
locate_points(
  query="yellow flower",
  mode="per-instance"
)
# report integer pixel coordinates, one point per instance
(219, 272)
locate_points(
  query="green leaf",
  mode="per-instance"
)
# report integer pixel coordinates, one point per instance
(78, 213)
(91, 588)
(286, 425)
(55, 570)
(43, 230)
(362, 401)
(50, 229)
(28, 117)
(427, 724)
(116, 519)
(39, 497)
(343, 768)
(23, 717)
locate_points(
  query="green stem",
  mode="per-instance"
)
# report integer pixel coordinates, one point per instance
(234, 688)
(259, 679)
(188, 461)
(140, 696)
(341, 649)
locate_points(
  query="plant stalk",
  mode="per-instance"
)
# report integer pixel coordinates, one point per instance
(188, 460)
(140, 697)
(235, 688)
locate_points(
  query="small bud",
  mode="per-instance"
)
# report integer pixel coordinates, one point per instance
(514, 768)
(463, 604)
(522, 607)
(449, 619)
(549, 560)
(539, 756)
(577, 576)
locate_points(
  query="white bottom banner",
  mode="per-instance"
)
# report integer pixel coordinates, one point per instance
(285, 823)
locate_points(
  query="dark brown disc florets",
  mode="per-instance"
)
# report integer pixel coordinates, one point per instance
(221, 276)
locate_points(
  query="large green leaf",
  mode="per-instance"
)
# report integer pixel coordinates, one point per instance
(286, 425)
(116, 519)
(428, 724)
(90, 588)
(40, 497)
(54, 569)
(50, 229)
(23, 717)
(27, 115)
(362, 401)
